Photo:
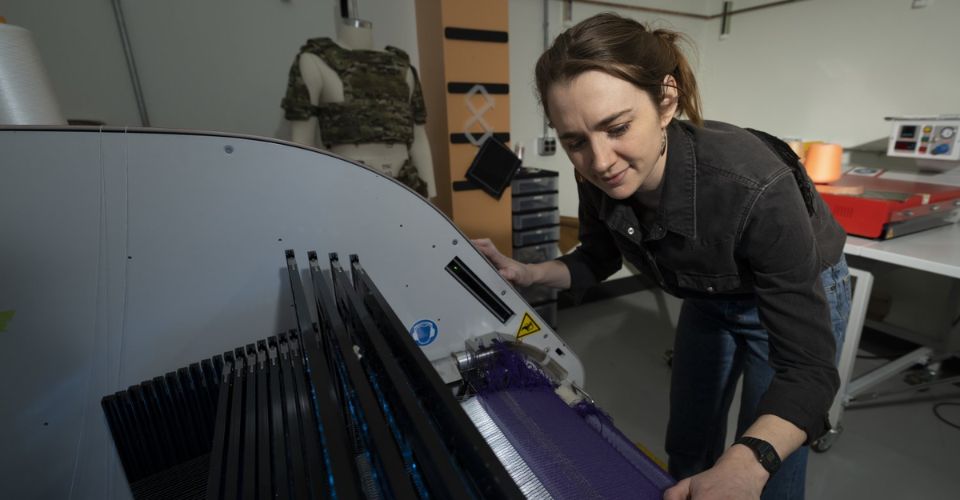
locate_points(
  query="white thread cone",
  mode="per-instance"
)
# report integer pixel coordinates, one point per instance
(26, 95)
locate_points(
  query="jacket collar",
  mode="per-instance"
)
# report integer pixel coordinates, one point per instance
(678, 199)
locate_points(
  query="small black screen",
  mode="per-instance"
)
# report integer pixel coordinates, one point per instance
(493, 167)
(905, 146)
(908, 131)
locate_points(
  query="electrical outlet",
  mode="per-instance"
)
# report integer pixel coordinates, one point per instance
(547, 146)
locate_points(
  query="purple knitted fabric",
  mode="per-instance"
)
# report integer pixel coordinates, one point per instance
(603, 424)
(574, 452)
(569, 456)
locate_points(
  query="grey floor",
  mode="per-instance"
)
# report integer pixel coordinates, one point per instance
(892, 451)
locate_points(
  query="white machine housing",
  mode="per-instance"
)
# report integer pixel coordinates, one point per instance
(128, 253)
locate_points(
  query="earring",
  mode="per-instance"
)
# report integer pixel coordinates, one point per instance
(663, 142)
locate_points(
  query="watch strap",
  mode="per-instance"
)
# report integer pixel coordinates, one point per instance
(764, 451)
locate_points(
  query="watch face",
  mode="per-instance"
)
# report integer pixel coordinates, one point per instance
(766, 454)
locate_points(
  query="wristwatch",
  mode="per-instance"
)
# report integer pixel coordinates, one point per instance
(766, 455)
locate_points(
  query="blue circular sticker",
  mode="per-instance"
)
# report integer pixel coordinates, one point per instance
(424, 332)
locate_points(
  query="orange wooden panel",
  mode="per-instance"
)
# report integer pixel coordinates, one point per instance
(465, 61)
(458, 114)
(460, 157)
(476, 14)
(430, 41)
(480, 216)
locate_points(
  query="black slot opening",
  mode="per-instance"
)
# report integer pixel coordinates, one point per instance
(478, 289)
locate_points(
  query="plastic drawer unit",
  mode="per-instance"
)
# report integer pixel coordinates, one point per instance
(536, 230)
(534, 180)
(536, 236)
(537, 253)
(535, 189)
(532, 220)
(531, 202)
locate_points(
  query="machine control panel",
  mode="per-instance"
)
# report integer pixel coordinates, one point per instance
(934, 138)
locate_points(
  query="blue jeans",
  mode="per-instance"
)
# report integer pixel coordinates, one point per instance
(716, 342)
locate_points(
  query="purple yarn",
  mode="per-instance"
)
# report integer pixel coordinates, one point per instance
(585, 408)
(599, 420)
(508, 369)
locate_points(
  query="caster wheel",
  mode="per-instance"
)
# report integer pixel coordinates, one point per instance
(826, 441)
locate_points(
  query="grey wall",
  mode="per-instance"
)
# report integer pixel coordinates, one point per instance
(825, 70)
(832, 70)
(204, 64)
(818, 70)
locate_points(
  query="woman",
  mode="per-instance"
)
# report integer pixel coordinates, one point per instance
(718, 215)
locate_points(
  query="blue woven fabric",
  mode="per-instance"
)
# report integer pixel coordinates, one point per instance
(571, 457)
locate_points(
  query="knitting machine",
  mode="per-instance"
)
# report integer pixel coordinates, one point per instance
(165, 343)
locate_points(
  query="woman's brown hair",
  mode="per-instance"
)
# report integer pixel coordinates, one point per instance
(625, 49)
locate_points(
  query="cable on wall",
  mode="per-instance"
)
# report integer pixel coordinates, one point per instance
(131, 63)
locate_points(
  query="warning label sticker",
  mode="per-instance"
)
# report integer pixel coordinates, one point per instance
(527, 327)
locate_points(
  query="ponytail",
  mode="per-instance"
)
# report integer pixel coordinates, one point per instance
(688, 101)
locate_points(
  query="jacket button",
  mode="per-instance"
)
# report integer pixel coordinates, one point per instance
(630, 231)
(710, 288)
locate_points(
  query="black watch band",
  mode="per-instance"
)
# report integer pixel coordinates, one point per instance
(766, 455)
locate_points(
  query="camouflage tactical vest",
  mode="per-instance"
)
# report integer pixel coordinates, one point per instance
(377, 106)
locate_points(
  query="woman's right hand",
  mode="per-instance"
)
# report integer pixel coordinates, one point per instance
(518, 273)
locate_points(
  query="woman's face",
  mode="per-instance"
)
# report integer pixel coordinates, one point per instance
(611, 131)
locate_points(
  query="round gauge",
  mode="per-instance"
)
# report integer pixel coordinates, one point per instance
(947, 132)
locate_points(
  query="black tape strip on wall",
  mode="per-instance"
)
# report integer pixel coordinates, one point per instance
(476, 35)
(491, 88)
(462, 138)
(466, 185)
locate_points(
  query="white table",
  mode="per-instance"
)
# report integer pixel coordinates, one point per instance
(935, 251)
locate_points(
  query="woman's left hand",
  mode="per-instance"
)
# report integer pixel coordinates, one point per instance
(736, 476)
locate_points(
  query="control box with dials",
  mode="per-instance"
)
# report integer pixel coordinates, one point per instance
(925, 138)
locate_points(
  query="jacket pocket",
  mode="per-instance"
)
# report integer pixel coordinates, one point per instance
(708, 283)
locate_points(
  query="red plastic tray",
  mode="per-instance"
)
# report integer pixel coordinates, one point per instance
(886, 200)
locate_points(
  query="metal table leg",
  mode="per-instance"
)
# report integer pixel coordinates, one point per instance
(862, 285)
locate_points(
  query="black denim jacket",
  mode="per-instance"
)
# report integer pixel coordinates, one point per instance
(738, 219)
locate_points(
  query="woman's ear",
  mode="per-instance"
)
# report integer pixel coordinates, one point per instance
(671, 98)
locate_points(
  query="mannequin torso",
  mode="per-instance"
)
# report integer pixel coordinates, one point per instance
(325, 86)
